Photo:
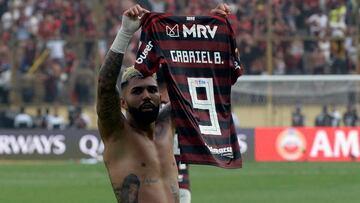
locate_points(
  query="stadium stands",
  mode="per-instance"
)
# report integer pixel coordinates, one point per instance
(50, 50)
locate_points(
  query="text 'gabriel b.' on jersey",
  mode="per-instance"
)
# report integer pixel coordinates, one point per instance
(200, 62)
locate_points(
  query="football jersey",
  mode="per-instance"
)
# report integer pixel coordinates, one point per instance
(183, 168)
(200, 61)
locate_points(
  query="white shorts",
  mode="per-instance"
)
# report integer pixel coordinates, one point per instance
(185, 195)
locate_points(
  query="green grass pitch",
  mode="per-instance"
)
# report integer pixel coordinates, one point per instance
(69, 182)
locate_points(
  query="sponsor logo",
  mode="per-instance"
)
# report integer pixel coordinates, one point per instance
(336, 144)
(310, 144)
(195, 31)
(225, 151)
(145, 53)
(172, 31)
(291, 144)
(92, 146)
(199, 31)
(32, 144)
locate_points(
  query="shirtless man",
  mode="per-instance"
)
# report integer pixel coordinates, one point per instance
(138, 145)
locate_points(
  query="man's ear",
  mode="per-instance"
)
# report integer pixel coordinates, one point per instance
(123, 103)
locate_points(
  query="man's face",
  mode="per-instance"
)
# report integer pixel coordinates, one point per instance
(142, 99)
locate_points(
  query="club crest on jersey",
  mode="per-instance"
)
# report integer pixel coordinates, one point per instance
(195, 31)
(172, 31)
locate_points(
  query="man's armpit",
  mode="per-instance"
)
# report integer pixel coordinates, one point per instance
(165, 113)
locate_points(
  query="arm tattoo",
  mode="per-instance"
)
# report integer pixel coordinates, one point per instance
(175, 192)
(108, 101)
(129, 191)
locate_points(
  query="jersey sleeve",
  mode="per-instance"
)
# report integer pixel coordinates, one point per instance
(236, 66)
(149, 55)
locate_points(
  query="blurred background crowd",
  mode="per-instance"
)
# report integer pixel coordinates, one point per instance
(50, 50)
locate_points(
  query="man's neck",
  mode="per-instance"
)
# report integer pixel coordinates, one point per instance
(146, 129)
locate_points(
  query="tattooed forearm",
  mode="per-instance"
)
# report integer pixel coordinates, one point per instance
(108, 102)
(129, 191)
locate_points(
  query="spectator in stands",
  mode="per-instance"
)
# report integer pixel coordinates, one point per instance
(71, 116)
(27, 90)
(350, 117)
(23, 120)
(317, 23)
(324, 118)
(337, 19)
(69, 20)
(336, 116)
(50, 27)
(324, 46)
(279, 64)
(83, 79)
(3, 6)
(51, 72)
(338, 65)
(88, 29)
(39, 119)
(7, 118)
(46, 116)
(82, 120)
(297, 118)
(294, 62)
(30, 51)
(318, 61)
(56, 49)
(351, 51)
(5, 79)
(55, 121)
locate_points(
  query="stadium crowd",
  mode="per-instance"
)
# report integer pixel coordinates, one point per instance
(326, 118)
(50, 50)
(45, 118)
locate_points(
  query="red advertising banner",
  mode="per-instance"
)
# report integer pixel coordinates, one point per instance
(307, 144)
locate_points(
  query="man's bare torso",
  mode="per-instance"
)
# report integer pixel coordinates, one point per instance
(142, 167)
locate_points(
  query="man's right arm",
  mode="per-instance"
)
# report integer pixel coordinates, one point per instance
(108, 99)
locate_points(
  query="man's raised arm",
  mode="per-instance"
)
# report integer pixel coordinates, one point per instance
(108, 99)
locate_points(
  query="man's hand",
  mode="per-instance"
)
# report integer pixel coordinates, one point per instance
(135, 11)
(221, 10)
(129, 25)
(131, 19)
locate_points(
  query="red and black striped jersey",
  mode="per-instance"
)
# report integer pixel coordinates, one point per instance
(183, 168)
(201, 63)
